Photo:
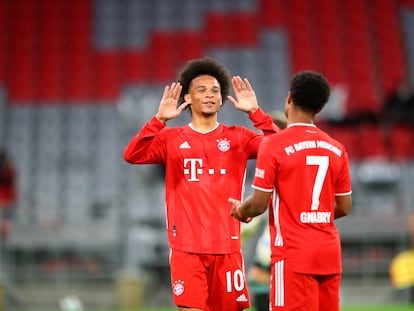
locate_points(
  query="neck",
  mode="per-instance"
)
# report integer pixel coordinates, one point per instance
(204, 123)
(299, 116)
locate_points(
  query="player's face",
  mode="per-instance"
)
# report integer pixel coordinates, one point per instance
(204, 95)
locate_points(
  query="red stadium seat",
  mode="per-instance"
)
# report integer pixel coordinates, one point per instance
(402, 143)
(135, 66)
(244, 29)
(271, 14)
(346, 135)
(79, 75)
(107, 75)
(217, 30)
(162, 56)
(191, 45)
(372, 142)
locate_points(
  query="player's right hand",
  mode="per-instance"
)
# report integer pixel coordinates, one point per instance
(235, 212)
(168, 109)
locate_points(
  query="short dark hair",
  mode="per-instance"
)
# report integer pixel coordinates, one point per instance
(309, 90)
(204, 66)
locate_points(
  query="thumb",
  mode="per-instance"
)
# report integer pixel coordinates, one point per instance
(233, 201)
(182, 106)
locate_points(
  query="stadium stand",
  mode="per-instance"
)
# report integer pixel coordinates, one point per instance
(78, 78)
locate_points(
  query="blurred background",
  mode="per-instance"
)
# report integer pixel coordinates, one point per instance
(78, 78)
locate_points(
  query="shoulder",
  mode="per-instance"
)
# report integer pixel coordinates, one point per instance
(324, 135)
(175, 129)
(239, 129)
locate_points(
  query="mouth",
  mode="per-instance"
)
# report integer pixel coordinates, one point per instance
(209, 103)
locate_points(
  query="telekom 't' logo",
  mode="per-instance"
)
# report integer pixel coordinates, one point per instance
(194, 168)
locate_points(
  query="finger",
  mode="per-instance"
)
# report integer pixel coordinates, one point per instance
(166, 90)
(177, 90)
(237, 83)
(248, 85)
(231, 200)
(232, 100)
(182, 106)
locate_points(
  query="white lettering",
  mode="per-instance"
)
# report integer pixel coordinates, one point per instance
(289, 150)
(259, 173)
(315, 217)
(325, 145)
(307, 144)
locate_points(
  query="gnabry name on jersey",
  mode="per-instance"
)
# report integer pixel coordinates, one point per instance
(193, 167)
(315, 217)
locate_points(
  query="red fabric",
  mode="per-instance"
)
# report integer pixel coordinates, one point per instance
(203, 170)
(209, 282)
(305, 169)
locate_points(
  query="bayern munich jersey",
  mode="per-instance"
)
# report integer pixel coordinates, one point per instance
(305, 169)
(203, 170)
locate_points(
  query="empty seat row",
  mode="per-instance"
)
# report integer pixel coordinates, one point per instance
(366, 142)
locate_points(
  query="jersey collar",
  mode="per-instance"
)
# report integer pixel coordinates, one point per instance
(302, 124)
(201, 132)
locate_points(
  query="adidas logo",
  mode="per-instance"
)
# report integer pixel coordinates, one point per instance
(185, 145)
(241, 298)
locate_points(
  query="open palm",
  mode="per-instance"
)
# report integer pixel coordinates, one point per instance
(245, 100)
(168, 105)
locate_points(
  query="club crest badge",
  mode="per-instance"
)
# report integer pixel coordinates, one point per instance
(178, 287)
(223, 144)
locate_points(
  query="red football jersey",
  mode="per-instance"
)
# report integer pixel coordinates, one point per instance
(203, 170)
(305, 169)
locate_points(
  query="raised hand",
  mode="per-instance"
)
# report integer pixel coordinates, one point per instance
(168, 109)
(245, 100)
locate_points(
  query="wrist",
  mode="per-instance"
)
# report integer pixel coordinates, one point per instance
(250, 112)
(162, 120)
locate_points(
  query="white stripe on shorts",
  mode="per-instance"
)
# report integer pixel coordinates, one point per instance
(279, 284)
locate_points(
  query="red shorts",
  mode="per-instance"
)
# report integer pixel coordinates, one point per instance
(209, 282)
(294, 291)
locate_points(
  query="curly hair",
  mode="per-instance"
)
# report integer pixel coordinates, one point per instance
(309, 90)
(204, 66)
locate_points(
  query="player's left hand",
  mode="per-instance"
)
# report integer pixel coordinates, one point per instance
(245, 100)
(235, 212)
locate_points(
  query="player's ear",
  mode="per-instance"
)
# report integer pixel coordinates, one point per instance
(289, 98)
(187, 98)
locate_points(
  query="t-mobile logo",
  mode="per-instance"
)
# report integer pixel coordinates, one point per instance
(194, 168)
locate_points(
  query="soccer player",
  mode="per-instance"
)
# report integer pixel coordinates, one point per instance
(205, 163)
(258, 274)
(306, 173)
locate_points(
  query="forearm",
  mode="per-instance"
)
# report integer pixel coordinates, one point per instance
(343, 205)
(263, 122)
(248, 209)
(339, 213)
